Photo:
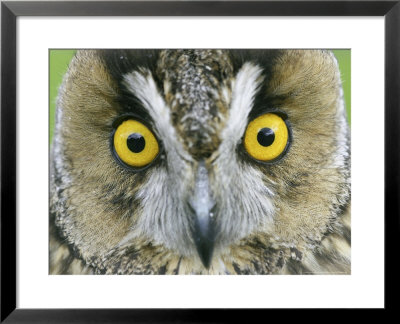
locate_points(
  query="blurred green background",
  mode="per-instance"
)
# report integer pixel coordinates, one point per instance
(59, 60)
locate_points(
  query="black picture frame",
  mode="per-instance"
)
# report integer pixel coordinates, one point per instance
(11, 10)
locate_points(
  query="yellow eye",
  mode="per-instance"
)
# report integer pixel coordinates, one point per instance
(266, 137)
(135, 144)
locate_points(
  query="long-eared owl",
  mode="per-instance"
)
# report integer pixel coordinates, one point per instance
(199, 161)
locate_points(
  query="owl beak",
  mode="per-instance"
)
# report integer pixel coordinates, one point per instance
(202, 205)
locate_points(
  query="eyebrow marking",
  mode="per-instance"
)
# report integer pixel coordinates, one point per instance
(246, 84)
(143, 87)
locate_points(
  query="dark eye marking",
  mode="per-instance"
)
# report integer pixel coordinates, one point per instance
(266, 136)
(136, 142)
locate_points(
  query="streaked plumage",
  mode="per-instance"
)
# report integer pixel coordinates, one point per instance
(204, 205)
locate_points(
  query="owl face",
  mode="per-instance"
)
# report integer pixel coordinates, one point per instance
(209, 160)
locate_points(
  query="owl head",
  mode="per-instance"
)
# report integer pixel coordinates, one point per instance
(207, 161)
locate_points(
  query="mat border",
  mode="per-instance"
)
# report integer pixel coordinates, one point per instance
(10, 10)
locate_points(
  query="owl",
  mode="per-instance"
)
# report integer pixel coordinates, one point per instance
(197, 161)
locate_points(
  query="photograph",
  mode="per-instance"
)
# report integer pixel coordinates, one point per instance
(200, 161)
(193, 161)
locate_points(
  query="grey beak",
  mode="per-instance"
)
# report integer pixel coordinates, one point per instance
(202, 204)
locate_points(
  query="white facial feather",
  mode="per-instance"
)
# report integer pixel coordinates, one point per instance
(243, 195)
(163, 217)
(245, 86)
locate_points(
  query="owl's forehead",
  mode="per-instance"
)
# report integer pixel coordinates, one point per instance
(180, 64)
(197, 90)
(194, 78)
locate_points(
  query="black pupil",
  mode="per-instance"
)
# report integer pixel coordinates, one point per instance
(266, 136)
(136, 142)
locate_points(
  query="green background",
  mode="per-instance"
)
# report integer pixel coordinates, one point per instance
(59, 60)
